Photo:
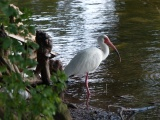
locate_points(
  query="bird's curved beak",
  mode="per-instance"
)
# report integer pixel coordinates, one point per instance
(108, 42)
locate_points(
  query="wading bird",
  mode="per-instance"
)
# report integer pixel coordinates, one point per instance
(89, 59)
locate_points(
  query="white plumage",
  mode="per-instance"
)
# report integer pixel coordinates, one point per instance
(85, 61)
(89, 59)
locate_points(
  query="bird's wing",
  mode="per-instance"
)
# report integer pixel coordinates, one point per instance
(85, 61)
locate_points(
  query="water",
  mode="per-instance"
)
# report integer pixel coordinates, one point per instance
(133, 26)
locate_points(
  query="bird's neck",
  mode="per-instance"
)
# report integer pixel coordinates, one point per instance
(105, 51)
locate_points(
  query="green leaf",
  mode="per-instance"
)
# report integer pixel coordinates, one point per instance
(7, 42)
(31, 29)
(12, 28)
(3, 68)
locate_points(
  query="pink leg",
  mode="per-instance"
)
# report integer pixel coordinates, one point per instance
(88, 92)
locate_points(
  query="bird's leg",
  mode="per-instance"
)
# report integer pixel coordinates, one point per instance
(88, 92)
(86, 81)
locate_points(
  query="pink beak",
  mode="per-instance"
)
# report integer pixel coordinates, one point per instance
(108, 42)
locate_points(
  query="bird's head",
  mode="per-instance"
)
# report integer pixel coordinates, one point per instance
(106, 40)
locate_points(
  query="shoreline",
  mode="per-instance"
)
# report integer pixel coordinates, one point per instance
(80, 112)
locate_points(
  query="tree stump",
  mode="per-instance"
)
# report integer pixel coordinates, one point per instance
(43, 55)
(54, 66)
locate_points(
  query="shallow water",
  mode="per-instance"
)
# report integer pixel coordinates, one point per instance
(133, 26)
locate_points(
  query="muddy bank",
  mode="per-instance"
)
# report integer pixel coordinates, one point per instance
(80, 112)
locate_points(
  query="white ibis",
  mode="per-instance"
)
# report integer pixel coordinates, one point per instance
(89, 59)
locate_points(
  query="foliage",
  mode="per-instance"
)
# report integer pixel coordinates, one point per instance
(45, 99)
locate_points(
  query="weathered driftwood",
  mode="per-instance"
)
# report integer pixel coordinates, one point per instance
(4, 55)
(129, 113)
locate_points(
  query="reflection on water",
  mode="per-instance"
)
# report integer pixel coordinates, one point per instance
(132, 25)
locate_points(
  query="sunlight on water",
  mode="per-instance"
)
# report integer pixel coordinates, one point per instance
(77, 25)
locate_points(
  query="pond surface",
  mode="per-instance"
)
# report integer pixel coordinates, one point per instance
(134, 28)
